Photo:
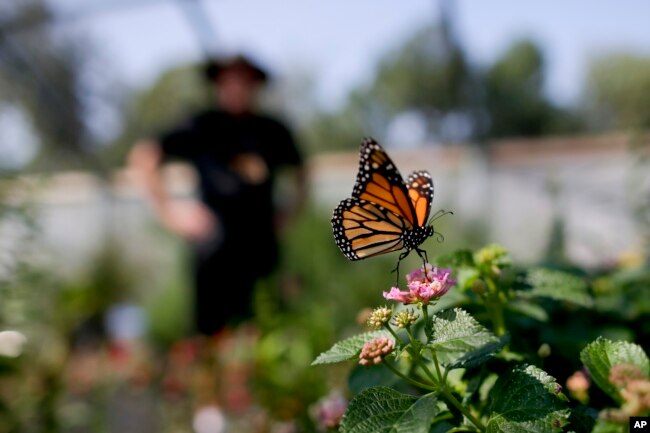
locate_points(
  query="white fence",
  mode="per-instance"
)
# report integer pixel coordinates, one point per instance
(507, 189)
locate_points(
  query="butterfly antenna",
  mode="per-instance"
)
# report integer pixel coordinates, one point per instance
(439, 214)
(439, 237)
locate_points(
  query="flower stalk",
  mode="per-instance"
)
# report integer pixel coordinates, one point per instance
(425, 286)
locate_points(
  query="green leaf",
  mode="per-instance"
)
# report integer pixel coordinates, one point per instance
(364, 377)
(604, 426)
(582, 419)
(529, 309)
(384, 410)
(456, 259)
(526, 400)
(601, 355)
(456, 334)
(480, 355)
(558, 285)
(466, 277)
(347, 349)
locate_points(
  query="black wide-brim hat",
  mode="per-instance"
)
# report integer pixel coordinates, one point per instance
(216, 66)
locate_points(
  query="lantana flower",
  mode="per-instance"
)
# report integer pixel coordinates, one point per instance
(375, 350)
(405, 318)
(329, 410)
(379, 317)
(424, 285)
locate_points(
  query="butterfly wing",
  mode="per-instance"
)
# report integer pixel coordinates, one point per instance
(420, 190)
(364, 229)
(379, 182)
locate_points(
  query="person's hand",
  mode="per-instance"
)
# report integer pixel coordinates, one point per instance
(191, 220)
(145, 156)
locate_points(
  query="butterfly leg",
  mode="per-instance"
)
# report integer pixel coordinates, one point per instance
(401, 257)
(424, 257)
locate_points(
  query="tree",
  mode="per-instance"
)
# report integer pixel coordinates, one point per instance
(616, 93)
(428, 75)
(177, 92)
(515, 102)
(40, 72)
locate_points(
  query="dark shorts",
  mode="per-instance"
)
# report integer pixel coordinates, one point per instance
(224, 281)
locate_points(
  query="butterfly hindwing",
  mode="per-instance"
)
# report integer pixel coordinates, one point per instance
(420, 190)
(379, 182)
(384, 213)
(364, 229)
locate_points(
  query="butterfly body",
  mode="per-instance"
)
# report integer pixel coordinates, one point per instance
(385, 213)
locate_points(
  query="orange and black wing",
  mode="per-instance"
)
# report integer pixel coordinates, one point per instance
(379, 182)
(420, 188)
(364, 229)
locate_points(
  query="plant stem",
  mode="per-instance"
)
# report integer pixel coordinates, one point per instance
(437, 364)
(410, 380)
(461, 428)
(397, 339)
(450, 397)
(494, 308)
(422, 365)
(427, 323)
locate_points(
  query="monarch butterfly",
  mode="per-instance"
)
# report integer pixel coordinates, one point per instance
(384, 213)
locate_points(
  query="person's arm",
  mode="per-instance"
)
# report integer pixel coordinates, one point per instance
(189, 219)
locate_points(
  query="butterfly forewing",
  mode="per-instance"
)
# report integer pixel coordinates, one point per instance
(384, 213)
(420, 188)
(364, 229)
(379, 181)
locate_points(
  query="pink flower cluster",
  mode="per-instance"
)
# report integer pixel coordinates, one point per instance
(374, 351)
(424, 284)
(330, 410)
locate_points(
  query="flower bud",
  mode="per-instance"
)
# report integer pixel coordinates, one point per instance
(578, 386)
(544, 351)
(621, 374)
(379, 317)
(405, 318)
(479, 287)
(375, 350)
(329, 410)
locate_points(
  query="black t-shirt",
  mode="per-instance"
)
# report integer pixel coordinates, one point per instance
(237, 158)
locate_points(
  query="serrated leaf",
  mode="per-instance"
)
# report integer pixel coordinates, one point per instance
(456, 333)
(601, 355)
(526, 400)
(558, 285)
(347, 349)
(384, 410)
(480, 355)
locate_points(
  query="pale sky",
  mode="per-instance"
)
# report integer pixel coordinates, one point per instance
(339, 41)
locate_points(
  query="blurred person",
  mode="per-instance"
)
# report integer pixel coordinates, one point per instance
(237, 154)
